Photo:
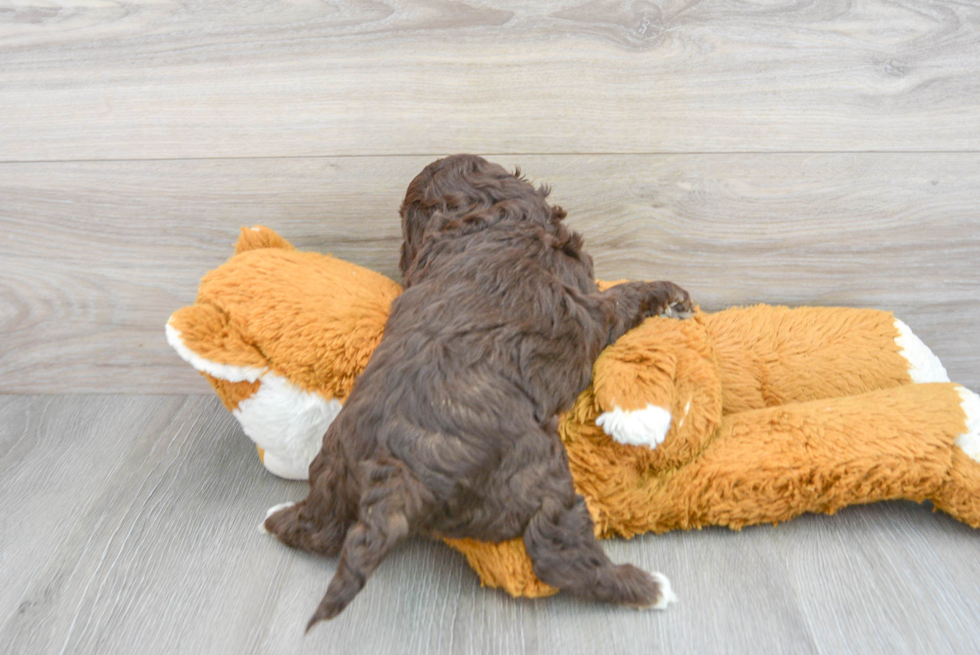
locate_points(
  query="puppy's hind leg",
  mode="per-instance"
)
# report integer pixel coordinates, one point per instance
(391, 503)
(317, 524)
(565, 554)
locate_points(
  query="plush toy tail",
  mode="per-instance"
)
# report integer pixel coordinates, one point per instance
(258, 237)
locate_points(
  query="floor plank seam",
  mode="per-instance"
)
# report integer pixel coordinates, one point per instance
(652, 153)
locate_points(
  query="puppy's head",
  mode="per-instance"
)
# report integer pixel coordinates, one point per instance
(449, 191)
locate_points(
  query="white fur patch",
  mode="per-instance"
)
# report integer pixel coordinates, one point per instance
(283, 420)
(667, 593)
(924, 366)
(640, 427)
(969, 441)
(269, 512)
(287, 423)
(215, 369)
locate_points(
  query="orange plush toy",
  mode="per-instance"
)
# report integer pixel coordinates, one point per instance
(746, 416)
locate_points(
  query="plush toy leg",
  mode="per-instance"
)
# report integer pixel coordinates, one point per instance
(503, 565)
(506, 565)
(656, 388)
(923, 365)
(770, 465)
(665, 373)
(770, 356)
(960, 492)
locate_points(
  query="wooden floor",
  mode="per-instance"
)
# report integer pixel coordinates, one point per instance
(129, 526)
(821, 153)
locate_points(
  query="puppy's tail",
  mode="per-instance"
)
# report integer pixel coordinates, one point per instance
(390, 506)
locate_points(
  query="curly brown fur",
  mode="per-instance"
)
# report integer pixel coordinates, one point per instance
(451, 430)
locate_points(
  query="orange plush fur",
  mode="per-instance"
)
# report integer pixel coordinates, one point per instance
(746, 416)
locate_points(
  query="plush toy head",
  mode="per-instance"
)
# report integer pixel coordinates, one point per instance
(281, 335)
(746, 416)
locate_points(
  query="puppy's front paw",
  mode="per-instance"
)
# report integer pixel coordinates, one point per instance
(680, 310)
(668, 299)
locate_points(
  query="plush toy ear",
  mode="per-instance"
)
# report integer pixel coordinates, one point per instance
(258, 237)
(203, 336)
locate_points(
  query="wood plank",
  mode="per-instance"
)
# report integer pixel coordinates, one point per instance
(100, 253)
(168, 79)
(161, 553)
(735, 598)
(899, 592)
(129, 526)
(59, 453)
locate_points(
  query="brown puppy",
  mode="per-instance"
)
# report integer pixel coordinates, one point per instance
(451, 429)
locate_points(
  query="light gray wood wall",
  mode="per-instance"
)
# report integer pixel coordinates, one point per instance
(813, 153)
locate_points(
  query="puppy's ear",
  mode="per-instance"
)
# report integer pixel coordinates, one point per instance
(406, 258)
(416, 217)
(571, 244)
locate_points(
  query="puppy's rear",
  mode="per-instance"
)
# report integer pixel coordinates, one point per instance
(451, 430)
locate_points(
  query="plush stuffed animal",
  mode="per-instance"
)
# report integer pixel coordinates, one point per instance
(746, 416)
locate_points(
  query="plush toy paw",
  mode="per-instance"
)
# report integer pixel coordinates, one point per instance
(969, 441)
(924, 366)
(639, 427)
